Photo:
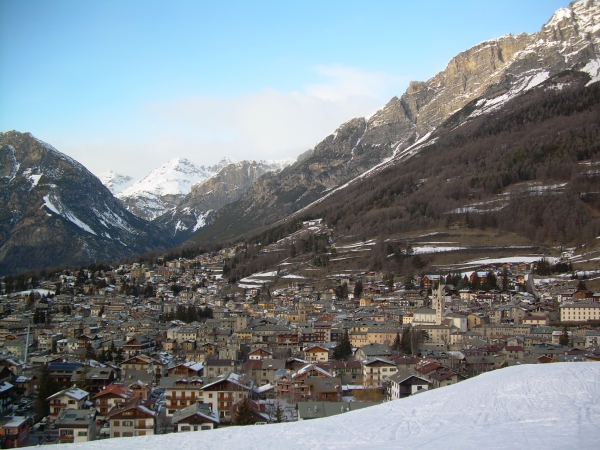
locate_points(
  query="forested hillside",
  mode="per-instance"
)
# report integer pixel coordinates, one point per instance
(531, 167)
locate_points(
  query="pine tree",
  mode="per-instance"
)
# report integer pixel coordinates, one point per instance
(397, 342)
(278, 413)
(244, 414)
(47, 386)
(119, 358)
(358, 289)
(344, 348)
(90, 352)
(405, 344)
(564, 338)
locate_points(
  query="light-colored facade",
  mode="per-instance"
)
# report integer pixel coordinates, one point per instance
(580, 312)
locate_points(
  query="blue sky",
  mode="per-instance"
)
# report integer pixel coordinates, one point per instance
(128, 85)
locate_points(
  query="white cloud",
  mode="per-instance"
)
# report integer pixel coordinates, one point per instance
(262, 125)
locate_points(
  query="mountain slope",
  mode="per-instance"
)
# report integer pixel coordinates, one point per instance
(530, 406)
(53, 211)
(210, 195)
(529, 167)
(492, 72)
(164, 187)
(115, 182)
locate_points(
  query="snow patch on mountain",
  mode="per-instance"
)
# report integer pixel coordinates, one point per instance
(57, 208)
(115, 182)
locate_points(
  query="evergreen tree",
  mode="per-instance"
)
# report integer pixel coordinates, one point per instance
(90, 352)
(581, 286)
(244, 414)
(112, 351)
(344, 348)
(47, 386)
(564, 338)
(405, 343)
(103, 357)
(409, 283)
(278, 413)
(119, 358)
(397, 343)
(505, 279)
(358, 289)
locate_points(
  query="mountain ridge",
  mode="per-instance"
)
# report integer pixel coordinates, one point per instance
(493, 72)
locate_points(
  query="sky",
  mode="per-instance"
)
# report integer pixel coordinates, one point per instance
(128, 85)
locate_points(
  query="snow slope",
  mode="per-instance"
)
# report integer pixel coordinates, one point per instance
(147, 197)
(115, 182)
(550, 406)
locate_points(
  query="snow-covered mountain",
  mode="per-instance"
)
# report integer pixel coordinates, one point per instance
(543, 406)
(211, 194)
(115, 182)
(164, 187)
(53, 211)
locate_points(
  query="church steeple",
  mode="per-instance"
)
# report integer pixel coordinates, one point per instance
(439, 304)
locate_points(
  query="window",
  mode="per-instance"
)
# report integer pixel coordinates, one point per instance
(82, 433)
(127, 423)
(117, 423)
(117, 434)
(128, 434)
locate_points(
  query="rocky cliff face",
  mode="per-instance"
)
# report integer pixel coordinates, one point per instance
(53, 211)
(490, 74)
(210, 195)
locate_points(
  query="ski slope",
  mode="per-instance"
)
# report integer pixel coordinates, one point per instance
(550, 406)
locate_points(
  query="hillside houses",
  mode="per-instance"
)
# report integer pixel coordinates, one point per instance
(184, 348)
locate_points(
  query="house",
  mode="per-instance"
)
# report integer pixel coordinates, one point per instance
(180, 392)
(14, 431)
(580, 312)
(71, 398)
(224, 392)
(404, 384)
(97, 377)
(76, 425)
(324, 389)
(63, 373)
(216, 367)
(375, 371)
(259, 354)
(108, 397)
(196, 417)
(131, 418)
(373, 351)
(350, 372)
(188, 369)
(316, 353)
(263, 372)
(6, 397)
(139, 344)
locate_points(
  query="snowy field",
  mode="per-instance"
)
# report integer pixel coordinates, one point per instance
(550, 406)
